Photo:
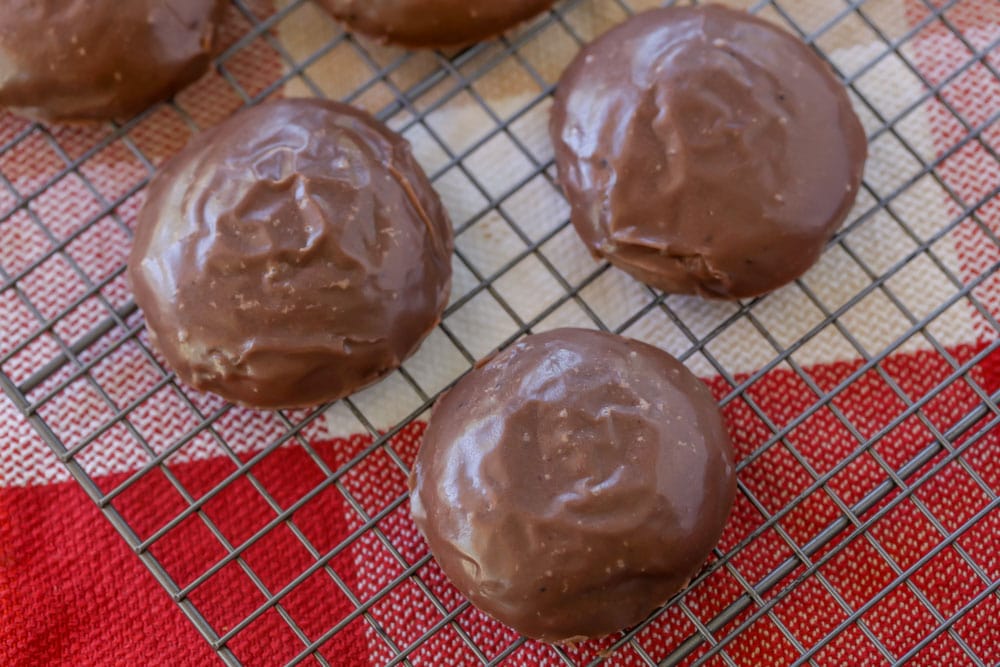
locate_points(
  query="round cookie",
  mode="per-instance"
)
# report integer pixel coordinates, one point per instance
(573, 483)
(705, 151)
(291, 256)
(433, 23)
(67, 60)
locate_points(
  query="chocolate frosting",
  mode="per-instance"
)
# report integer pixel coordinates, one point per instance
(573, 483)
(432, 23)
(73, 60)
(291, 256)
(706, 151)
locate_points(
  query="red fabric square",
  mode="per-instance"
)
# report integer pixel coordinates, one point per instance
(267, 641)
(491, 636)
(810, 516)
(980, 629)
(762, 641)
(288, 473)
(278, 557)
(375, 482)
(943, 650)
(187, 550)
(899, 620)
(24, 243)
(114, 171)
(404, 615)
(851, 647)
(858, 572)
(953, 496)
(317, 604)
(31, 163)
(367, 566)
(161, 135)
(948, 581)
(324, 519)
(762, 556)
(238, 511)
(444, 647)
(776, 478)
(666, 633)
(905, 533)
(980, 542)
(227, 597)
(713, 594)
(810, 599)
(148, 503)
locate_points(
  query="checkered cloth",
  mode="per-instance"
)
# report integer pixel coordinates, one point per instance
(861, 399)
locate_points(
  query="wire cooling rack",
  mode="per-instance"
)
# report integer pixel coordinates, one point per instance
(74, 322)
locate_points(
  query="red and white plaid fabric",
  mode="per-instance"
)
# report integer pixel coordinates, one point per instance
(73, 593)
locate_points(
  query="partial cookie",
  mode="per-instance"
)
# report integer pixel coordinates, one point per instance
(67, 60)
(434, 23)
(291, 256)
(706, 151)
(573, 483)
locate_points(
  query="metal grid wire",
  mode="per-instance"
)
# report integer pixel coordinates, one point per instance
(440, 78)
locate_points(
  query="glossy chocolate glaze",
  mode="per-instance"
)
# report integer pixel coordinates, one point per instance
(706, 151)
(433, 23)
(77, 60)
(573, 483)
(291, 256)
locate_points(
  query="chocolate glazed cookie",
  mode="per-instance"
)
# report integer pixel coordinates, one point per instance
(706, 151)
(78, 60)
(291, 256)
(434, 23)
(573, 483)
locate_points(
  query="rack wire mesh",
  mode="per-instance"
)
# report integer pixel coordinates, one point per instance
(70, 319)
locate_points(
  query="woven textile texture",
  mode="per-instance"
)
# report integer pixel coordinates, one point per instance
(862, 399)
